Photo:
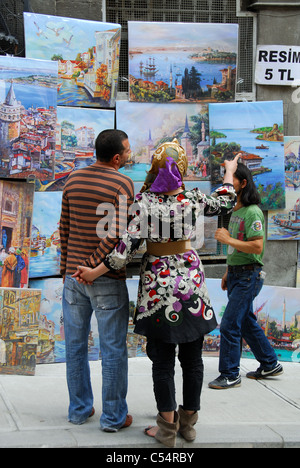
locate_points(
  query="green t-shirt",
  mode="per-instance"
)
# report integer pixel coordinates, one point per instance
(245, 224)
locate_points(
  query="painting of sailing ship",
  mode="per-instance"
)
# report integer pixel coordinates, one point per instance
(28, 99)
(189, 62)
(285, 224)
(243, 127)
(76, 132)
(19, 330)
(87, 54)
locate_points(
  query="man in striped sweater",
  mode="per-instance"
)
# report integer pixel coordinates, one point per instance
(95, 206)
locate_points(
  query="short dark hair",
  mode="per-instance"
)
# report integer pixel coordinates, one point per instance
(249, 195)
(108, 143)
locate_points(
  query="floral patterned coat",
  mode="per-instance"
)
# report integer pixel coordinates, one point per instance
(173, 303)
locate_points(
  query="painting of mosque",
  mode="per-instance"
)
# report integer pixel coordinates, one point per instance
(87, 54)
(28, 100)
(154, 124)
(192, 62)
(19, 330)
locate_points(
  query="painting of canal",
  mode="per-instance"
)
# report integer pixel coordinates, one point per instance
(87, 54)
(285, 224)
(28, 100)
(19, 330)
(256, 130)
(149, 125)
(76, 132)
(189, 62)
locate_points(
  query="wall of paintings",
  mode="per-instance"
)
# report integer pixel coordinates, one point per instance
(54, 103)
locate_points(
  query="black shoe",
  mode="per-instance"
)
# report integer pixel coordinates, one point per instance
(260, 373)
(222, 383)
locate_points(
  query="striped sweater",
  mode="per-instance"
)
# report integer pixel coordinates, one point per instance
(94, 214)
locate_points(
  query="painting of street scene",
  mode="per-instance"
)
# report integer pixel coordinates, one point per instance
(256, 130)
(285, 224)
(28, 99)
(150, 125)
(19, 329)
(16, 207)
(278, 313)
(76, 132)
(87, 54)
(186, 62)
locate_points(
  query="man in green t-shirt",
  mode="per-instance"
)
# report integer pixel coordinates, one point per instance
(243, 281)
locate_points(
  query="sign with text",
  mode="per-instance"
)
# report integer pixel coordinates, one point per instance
(277, 65)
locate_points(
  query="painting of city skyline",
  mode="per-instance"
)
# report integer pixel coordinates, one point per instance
(28, 100)
(76, 132)
(154, 124)
(87, 54)
(256, 130)
(189, 62)
(285, 224)
(19, 330)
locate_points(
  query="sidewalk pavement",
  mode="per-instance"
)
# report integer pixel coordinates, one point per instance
(259, 414)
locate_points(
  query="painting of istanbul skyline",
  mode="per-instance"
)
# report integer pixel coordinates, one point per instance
(28, 99)
(256, 130)
(87, 53)
(189, 62)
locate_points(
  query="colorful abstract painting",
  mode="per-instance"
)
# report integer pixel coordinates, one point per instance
(182, 62)
(28, 99)
(285, 224)
(19, 330)
(87, 54)
(76, 132)
(16, 205)
(278, 313)
(149, 125)
(256, 130)
(45, 239)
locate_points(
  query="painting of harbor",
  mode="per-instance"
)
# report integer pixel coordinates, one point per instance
(154, 124)
(256, 130)
(277, 311)
(189, 62)
(28, 99)
(87, 54)
(76, 132)
(285, 224)
(19, 330)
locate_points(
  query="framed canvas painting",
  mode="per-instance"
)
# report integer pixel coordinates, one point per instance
(76, 132)
(285, 224)
(87, 54)
(28, 100)
(16, 205)
(256, 130)
(182, 62)
(19, 330)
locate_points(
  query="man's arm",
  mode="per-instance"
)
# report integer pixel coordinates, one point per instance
(64, 233)
(253, 245)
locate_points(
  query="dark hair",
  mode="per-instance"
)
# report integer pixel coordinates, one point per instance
(108, 143)
(249, 195)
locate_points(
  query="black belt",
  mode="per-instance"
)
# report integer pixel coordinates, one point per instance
(238, 268)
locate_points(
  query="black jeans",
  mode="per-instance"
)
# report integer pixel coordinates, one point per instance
(162, 356)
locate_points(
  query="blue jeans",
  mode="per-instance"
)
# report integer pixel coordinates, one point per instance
(240, 322)
(109, 299)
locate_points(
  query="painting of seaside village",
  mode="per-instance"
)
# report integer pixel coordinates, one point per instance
(189, 62)
(16, 206)
(19, 330)
(28, 99)
(87, 54)
(76, 131)
(154, 124)
(277, 310)
(256, 130)
(285, 224)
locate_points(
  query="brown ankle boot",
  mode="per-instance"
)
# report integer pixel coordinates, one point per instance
(187, 421)
(167, 432)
